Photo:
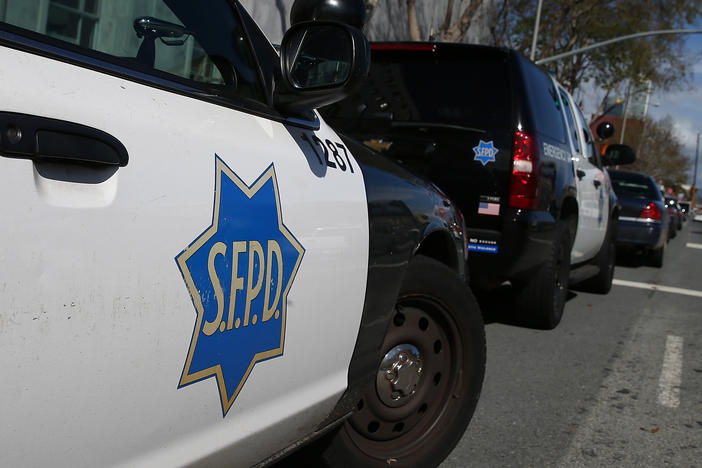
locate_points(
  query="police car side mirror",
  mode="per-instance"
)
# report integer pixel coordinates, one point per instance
(321, 62)
(618, 155)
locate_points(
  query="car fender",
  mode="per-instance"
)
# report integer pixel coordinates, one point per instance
(402, 225)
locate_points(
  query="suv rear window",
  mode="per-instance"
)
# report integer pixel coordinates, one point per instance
(417, 87)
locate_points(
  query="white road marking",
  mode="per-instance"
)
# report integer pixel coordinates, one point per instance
(657, 287)
(693, 246)
(671, 373)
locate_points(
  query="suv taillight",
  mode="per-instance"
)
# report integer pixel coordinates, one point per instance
(651, 212)
(524, 186)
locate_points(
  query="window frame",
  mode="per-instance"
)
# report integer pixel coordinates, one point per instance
(571, 120)
(589, 140)
(45, 6)
(50, 47)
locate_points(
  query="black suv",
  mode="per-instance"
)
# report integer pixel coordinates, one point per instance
(505, 142)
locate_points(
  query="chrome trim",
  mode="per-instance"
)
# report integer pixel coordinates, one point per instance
(640, 220)
(399, 375)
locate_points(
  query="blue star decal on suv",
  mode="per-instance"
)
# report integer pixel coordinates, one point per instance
(485, 152)
(239, 272)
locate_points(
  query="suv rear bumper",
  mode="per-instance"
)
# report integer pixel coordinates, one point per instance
(513, 255)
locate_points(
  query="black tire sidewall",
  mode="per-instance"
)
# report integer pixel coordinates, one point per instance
(428, 277)
(539, 299)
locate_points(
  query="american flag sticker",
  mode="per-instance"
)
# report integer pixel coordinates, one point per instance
(487, 208)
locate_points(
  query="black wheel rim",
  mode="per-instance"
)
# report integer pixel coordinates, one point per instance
(382, 431)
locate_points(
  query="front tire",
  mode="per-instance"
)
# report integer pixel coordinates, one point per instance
(428, 382)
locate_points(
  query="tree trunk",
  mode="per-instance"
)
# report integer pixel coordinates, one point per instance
(412, 23)
(370, 9)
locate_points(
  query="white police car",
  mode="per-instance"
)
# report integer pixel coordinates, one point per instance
(195, 268)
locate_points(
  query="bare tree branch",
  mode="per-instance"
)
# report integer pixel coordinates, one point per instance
(447, 19)
(456, 32)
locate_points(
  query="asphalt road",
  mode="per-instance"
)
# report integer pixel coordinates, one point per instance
(618, 383)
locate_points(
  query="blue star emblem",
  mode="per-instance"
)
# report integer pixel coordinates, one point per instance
(239, 272)
(485, 152)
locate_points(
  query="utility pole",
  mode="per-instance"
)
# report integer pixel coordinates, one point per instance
(693, 189)
(617, 39)
(626, 113)
(536, 30)
(649, 88)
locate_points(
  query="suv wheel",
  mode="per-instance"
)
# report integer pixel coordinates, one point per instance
(427, 383)
(543, 297)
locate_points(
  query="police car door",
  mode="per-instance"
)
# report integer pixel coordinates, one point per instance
(178, 277)
(597, 177)
(589, 235)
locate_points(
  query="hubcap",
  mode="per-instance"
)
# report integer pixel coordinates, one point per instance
(414, 380)
(398, 375)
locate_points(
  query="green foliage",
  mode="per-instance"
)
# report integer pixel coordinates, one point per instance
(659, 151)
(571, 24)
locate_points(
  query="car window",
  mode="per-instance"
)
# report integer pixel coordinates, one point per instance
(200, 43)
(543, 99)
(634, 187)
(590, 149)
(574, 129)
(398, 86)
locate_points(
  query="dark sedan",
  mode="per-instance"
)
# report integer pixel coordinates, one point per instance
(644, 219)
(685, 209)
(675, 212)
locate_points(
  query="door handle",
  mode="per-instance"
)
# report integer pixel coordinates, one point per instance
(32, 137)
(597, 183)
(580, 173)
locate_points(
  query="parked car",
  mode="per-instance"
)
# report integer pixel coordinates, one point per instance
(675, 212)
(196, 269)
(685, 209)
(505, 141)
(644, 222)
